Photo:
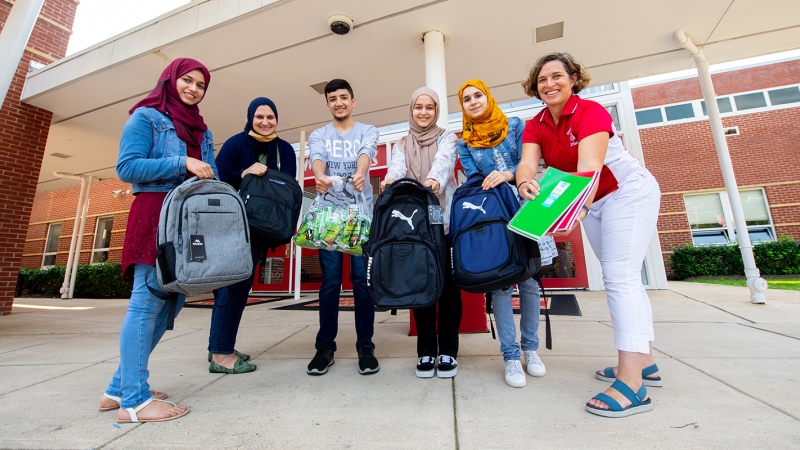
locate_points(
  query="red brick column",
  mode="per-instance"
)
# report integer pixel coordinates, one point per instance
(23, 135)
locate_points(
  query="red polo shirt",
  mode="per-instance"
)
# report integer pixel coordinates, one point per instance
(579, 119)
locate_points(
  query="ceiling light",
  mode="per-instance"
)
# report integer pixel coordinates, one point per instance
(319, 87)
(61, 155)
(548, 32)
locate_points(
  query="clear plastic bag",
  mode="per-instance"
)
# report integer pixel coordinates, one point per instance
(336, 228)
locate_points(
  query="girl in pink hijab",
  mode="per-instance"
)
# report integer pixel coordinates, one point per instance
(428, 154)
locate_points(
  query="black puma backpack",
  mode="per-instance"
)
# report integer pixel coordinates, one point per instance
(273, 202)
(407, 249)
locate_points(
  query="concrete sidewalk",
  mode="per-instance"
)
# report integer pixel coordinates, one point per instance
(730, 368)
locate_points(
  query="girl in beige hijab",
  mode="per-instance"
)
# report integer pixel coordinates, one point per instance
(428, 154)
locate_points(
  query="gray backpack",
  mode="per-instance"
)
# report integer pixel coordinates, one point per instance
(203, 238)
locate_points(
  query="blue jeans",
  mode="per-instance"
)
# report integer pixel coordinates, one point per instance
(144, 325)
(528, 323)
(331, 264)
(229, 303)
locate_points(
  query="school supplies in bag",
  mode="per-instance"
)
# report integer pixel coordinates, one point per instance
(407, 249)
(336, 222)
(272, 202)
(486, 255)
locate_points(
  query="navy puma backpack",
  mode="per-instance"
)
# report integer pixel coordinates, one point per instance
(406, 254)
(487, 255)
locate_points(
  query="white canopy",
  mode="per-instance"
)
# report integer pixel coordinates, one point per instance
(279, 48)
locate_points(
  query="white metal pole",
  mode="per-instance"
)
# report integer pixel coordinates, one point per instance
(16, 32)
(755, 283)
(80, 237)
(301, 172)
(70, 258)
(435, 75)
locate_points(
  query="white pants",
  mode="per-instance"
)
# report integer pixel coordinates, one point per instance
(619, 228)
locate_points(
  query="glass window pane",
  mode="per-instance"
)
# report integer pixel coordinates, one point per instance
(678, 112)
(102, 238)
(52, 238)
(649, 116)
(709, 237)
(614, 115)
(760, 235)
(49, 260)
(750, 101)
(99, 257)
(723, 103)
(783, 96)
(704, 211)
(755, 207)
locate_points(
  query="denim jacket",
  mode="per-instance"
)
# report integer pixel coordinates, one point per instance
(151, 156)
(504, 157)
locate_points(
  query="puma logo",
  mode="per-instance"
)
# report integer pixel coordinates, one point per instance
(400, 215)
(468, 205)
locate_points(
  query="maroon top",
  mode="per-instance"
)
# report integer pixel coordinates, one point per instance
(140, 234)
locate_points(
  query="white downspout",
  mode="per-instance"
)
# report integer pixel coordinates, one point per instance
(755, 283)
(298, 251)
(16, 32)
(65, 286)
(80, 237)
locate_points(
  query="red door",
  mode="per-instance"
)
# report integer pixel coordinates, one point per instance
(273, 275)
(569, 267)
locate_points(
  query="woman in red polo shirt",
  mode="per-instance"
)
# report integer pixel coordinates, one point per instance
(576, 135)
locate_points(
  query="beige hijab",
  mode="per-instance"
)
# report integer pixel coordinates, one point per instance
(420, 145)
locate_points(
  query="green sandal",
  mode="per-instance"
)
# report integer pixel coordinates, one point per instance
(242, 356)
(239, 367)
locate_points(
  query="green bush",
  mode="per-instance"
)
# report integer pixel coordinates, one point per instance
(772, 258)
(93, 281)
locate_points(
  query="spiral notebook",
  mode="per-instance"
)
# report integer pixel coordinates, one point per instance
(561, 196)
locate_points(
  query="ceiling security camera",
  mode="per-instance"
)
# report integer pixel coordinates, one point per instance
(340, 24)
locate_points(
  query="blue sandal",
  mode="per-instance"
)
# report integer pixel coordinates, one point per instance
(637, 404)
(607, 374)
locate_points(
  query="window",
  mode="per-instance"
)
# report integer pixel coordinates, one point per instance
(784, 96)
(612, 110)
(723, 103)
(711, 219)
(51, 245)
(102, 239)
(649, 116)
(678, 112)
(750, 101)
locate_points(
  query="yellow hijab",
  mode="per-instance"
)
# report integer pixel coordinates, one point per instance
(486, 131)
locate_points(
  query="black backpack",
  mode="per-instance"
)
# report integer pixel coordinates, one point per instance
(273, 202)
(407, 248)
(487, 255)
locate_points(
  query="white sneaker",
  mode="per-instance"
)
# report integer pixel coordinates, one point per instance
(535, 365)
(515, 377)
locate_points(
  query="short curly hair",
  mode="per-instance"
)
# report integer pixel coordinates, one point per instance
(571, 65)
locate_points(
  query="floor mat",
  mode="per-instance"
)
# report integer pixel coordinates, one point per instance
(556, 304)
(209, 303)
(345, 304)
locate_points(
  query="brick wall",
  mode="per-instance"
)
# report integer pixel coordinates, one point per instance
(23, 135)
(60, 206)
(725, 83)
(683, 158)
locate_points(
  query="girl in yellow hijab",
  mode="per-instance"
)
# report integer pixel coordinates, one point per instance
(491, 144)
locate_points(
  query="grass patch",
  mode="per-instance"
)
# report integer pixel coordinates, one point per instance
(791, 283)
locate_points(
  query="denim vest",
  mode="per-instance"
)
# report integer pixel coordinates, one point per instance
(504, 157)
(151, 156)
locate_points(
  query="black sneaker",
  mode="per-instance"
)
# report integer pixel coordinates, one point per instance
(322, 360)
(367, 363)
(448, 367)
(425, 367)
